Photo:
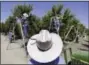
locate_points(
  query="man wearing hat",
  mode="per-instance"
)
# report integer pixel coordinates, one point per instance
(55, 23)
(45, 48)
(25, 24)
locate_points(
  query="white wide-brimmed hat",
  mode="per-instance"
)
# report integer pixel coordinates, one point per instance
(25, 15)
(45, 47)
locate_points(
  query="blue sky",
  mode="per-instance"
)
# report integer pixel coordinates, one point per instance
(79, 9)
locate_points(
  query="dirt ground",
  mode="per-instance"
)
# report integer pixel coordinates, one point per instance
(14, 55)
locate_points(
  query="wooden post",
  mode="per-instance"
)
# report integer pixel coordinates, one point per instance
(65, 56)
(14, 30)
(76, 35)
(68, 32)
(22, 34)
(70, 49)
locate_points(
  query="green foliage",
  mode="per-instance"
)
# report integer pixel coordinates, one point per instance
(76, 62)
(34, 25)
(59, 9)
(10, 23)
(2, 27)
(82, 57)
(45, 22)
(20, 9)
(17, 31)
(56, 10)
(87, 31)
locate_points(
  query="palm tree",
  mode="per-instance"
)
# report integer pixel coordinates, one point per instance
(57, 10)
(34, 24)
(10, 22)
(67, 20)
(19, 10)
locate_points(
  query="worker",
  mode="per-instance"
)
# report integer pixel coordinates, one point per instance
(55, 24)
(45, 49)
(10, 36)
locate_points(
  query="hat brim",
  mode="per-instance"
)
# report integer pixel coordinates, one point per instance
(48, 55)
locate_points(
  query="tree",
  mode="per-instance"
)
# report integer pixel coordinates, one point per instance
(19, 10)
(2, 27)
(67, 20)
(9, 24)
(34, 24)
(57, 10)
(87, 31)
